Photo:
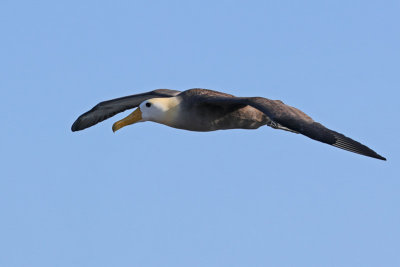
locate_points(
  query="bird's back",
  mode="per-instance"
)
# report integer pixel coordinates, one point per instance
(198, 115)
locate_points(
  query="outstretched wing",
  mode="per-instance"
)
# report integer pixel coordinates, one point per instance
(296, 120)
(107, 109)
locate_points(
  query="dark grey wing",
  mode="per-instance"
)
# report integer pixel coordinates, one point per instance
(107, 109)
(296, 120)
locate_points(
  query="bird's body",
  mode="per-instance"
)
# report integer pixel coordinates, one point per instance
(207, 110)
(194, 114)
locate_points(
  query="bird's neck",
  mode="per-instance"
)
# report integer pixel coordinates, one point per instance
(171, 107)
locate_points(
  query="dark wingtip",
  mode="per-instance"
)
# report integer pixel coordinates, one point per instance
(381, 158)
(376, 156)
(75, 126)
(351, 145)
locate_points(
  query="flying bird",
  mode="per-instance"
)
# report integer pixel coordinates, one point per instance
(206, 110)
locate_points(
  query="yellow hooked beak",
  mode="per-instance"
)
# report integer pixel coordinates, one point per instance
(130, 119)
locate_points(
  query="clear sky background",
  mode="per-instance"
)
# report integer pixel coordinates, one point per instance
(150, 195)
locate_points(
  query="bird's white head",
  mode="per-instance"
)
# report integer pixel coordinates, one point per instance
(161, 110)
(155, 109)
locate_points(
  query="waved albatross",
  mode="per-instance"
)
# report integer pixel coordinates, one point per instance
(206, 110)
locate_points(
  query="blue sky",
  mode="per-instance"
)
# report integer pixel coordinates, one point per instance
(150, 195)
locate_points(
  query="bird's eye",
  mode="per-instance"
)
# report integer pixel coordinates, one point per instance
(148, 104)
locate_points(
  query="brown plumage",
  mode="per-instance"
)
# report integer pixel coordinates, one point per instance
(207, 110)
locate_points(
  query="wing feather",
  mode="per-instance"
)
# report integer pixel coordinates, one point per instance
(109, 108)
(297, 121)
